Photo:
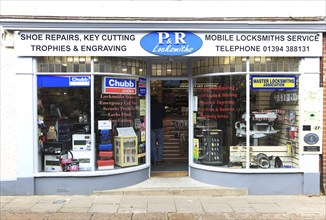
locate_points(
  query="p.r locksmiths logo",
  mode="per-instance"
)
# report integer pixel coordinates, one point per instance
(171, 43)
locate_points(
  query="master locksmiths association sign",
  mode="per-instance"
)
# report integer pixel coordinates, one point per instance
(168, 43)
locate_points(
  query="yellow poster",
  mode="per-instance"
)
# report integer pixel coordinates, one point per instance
(196, 148)
(142, 107)
(143, 137)
(273, 82)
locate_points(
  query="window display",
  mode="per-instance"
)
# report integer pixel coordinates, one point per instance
(220, 121)
(66, 142)
(219, 103)
(64, 130)
(120, 121)
(274, 122)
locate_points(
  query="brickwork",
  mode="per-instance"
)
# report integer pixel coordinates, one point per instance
(324, 116)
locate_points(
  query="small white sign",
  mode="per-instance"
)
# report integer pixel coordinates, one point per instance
(126, 132)
(104, 125)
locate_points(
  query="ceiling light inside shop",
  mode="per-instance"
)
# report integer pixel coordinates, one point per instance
(257, 59)
(82, 59)
(124, 69)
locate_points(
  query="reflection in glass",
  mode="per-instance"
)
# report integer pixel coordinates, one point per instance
(219, 106)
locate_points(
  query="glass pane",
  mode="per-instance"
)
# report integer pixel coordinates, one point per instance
(219, 127)
(119, 65)
(219, 64)
(274, 123)
(63, 64)
(64, 129)
(123, 110)
(169, 68)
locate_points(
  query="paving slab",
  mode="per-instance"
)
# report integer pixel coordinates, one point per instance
(46, 207)
(243, 210)
(112, 216)
(104, 208)
(6, 199)
(183, 216)
(150, 216)
(112, 199)
(133, 202)
(132, 210)
(214, 216)
(74, 209)
(78, 203)
(188, 205)
(161, 207)
(24, 216)
(267, 208)
(70, 216)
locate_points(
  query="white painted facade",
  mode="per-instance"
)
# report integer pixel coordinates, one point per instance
(172, 8)
(16, 93)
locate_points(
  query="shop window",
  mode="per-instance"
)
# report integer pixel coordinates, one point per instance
(219, 134)
(120, 108)
(220, 125)
(119, 65)
(219, 65)
(274, 121)
(64, 123)
(63, 64)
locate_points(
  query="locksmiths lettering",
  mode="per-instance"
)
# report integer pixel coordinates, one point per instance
(171, 43)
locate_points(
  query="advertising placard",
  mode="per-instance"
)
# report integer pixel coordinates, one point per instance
(142, 86)
(272, 82)
(119, 86)
(63, 81)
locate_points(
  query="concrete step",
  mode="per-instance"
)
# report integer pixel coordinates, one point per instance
(182, 186)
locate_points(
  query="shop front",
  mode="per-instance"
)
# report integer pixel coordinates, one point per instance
(244, 108)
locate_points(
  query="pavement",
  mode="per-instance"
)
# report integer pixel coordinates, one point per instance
(167, 201)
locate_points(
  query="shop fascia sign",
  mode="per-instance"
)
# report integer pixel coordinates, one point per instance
(119, 86)
(168, 43)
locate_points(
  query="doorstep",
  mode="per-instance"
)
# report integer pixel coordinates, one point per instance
(169, 173)
(167, 186)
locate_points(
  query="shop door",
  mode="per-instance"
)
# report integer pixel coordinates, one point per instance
(173, 94)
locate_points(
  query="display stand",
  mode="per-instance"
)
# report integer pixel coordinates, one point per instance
(210, 140)
(126, 151)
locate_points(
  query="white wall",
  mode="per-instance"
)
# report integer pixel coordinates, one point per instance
(231, 8)
(8, 135)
